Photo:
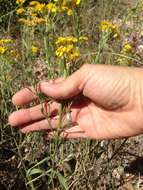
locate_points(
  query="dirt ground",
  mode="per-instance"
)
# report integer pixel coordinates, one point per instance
(125, 167)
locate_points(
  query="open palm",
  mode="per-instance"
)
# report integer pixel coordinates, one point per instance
(106, 103)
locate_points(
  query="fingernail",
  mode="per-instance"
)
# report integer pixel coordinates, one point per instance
(11, 120)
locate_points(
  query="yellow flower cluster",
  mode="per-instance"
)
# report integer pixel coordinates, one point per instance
(5, 41)
(30, 14)
(65, 2)
(127, 51)
(70, 40)
(127, 48)
(4, 45)
(106, 26)
(52, 7)
(66, 40)
(67, 48)
(56, 7)
(68, 52)
(63, 6)
(37, 7)
(32, 22)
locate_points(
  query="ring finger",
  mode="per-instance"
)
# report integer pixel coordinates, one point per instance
(52, 123)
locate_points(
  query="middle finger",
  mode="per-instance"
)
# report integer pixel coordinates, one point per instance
(32, 114)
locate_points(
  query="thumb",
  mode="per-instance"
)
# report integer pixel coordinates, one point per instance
(64, 89)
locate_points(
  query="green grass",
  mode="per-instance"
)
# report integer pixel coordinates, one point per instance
(37, 163)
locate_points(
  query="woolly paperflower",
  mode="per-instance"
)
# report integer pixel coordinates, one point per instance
(2, 50)
(20, 11)
(65, 40)
(106, 26)
(127, 48)
(20, 1)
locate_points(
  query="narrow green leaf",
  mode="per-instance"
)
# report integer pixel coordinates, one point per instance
(34, 171)
(62, 181)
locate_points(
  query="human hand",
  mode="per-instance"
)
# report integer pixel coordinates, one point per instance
(107, 103)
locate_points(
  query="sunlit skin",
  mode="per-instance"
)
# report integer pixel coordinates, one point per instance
(107, 103)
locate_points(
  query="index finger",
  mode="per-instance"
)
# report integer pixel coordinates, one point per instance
(28, 94)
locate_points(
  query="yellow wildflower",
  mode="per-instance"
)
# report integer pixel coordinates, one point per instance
(83, 38)
(34, 49)
(2, 50)
(65, 40)
(127, 52)
(33, 22)
(33, 3)
(69, 52)
(127, 48)
(60, 51)
(74, 55)
(20, 1)
(76, 2)
(69, 12)
(106, 26)
(64, 50)
(5, 41)
(63, 8)
(39, 7)
(67, 47)
(20, 11)
(52, 7)
(35, 6)
(124, 61)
